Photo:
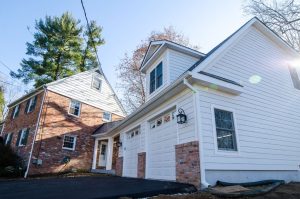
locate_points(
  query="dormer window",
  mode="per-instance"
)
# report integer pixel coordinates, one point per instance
(156, 77)
(96, 84)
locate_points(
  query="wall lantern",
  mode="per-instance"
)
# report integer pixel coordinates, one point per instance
(181, 117)
(119, 144)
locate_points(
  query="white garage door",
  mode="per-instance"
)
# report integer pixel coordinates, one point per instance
(131, 156)
(162, 141)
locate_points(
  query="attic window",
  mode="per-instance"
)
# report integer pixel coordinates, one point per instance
(75, 108)
(96, 84)
(156, 77)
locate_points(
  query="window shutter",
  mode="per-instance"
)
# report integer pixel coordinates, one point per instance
(34, 102)
(27, 105)
(5, 138)
(12, 113)
(19, 136)
(10, 139)
(26, 136)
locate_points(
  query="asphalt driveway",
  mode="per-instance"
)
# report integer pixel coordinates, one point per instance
(88, 187)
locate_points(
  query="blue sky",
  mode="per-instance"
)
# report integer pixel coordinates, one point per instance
(125, 24)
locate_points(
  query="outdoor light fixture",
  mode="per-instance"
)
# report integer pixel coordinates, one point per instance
(119, 144)
(181, 117)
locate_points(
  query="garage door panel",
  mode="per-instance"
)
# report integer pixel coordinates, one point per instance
(161, 151)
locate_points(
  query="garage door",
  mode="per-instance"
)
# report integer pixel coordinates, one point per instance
(130, 153)
(162, 141)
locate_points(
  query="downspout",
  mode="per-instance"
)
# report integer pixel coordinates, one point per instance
(35, 133)
(204, 183)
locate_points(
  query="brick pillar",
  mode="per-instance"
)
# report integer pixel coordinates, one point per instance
(141, 165)
(119, 166)
(188, 163)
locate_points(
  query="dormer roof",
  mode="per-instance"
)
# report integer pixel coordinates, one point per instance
(156, 48)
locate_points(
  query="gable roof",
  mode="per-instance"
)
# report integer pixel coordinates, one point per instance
(156, 48)
(105, 127)
(258, 24)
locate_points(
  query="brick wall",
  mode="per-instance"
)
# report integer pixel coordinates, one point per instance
(23, 120)
(55, 123)
(119, 166)
(141, 165)
(188, 163)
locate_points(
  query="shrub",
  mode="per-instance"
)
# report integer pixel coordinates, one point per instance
(11, 165)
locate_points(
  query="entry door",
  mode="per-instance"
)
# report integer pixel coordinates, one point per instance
(102, 154)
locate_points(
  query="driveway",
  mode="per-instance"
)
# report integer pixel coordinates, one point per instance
(88, 187)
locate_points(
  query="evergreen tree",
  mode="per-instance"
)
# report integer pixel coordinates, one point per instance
(61, 48)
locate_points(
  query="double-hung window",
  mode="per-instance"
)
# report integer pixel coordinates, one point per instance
(16, 111)
(225, 130)
(69, 142)
(22, 137)
(97, 83)
(106, 116)
(156, 77)
(75, 107)
(8, 138)
(30, 105)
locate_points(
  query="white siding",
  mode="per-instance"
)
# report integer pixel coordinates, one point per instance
(179, 63)
(267, 114)
(185, 132)
(79, 87)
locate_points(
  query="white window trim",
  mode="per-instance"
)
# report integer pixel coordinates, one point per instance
(79, 111)
(220, 151)
(162, 84)
(22, 134)
(14, 114)
(110, 117)
(74, 146)
(101, 83)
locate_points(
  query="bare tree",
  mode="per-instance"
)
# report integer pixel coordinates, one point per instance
(131, 80)
(282, 17)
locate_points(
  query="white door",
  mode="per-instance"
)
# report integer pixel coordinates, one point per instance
(161, 149)
(103, 155)
(131, 153)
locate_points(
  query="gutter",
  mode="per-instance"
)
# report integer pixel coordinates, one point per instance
(35, 133)
(204, 183)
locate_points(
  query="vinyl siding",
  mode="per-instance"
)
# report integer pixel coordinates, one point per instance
(79, 87)
(266, 113)
(186, 132)
(179, 63)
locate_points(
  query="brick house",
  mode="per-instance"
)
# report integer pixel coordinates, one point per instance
(51, 127)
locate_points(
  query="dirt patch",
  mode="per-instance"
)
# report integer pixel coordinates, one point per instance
(287, 191)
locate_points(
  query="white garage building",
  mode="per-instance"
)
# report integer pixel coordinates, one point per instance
(241, 102)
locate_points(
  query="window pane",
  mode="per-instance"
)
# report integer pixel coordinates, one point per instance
(152, 81)
(225, 130)
(106, 116)
(97, 83)
(159, 75)
(74, 108)
(69, 142)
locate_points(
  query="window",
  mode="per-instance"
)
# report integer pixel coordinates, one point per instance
(156, 77)
(22, 137)
(133, 133)
(97, 83)
(163, 119)
(75, 108)
(225, 130)
(8, 138)
(106, 116)
(69, 142)
(16, 111)
(30, 105)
